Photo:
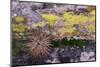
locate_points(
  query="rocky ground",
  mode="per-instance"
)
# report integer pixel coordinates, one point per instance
(66, 54)
(61, 55)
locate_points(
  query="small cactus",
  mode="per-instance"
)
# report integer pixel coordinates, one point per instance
(39, 45)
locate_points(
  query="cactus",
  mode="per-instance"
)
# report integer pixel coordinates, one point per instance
(39, 45)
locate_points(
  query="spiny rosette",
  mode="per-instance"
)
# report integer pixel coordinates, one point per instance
(39, 45)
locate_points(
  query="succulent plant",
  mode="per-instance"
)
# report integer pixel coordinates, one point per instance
(91, 28)
(39, 45)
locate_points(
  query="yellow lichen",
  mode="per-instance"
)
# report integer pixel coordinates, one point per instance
(19, 19)
(74, 19)
(39, 24)
(91, 28)
(19, 28)
(50, 18)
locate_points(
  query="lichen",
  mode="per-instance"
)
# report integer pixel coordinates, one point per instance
(19, 19)
(72, 19)
(39, 24)
(19, 28)
(17, 47)
(50, 18)
(91, 28)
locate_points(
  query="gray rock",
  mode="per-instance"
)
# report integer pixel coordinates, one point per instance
(25, 9)
(87, 56)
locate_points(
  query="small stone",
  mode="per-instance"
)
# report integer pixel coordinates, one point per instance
(92, 59)
(48, 61)
(72, 48)
(72, 60)
(83, 46)
(84, 56)
(55, 60)
(91, 54)
(54, 33)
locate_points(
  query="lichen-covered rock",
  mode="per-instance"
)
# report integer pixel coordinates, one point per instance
(71, 53)
(59, 21)
(87, 56)
(25, 9)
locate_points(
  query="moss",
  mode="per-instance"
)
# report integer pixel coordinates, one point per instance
(56, 43)
(65, 42)
(17, 47)
(91, 28)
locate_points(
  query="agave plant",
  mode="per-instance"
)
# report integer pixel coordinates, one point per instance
(39, 45)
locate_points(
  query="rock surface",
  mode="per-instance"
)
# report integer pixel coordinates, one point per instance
(66, 54)
(25, 9)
